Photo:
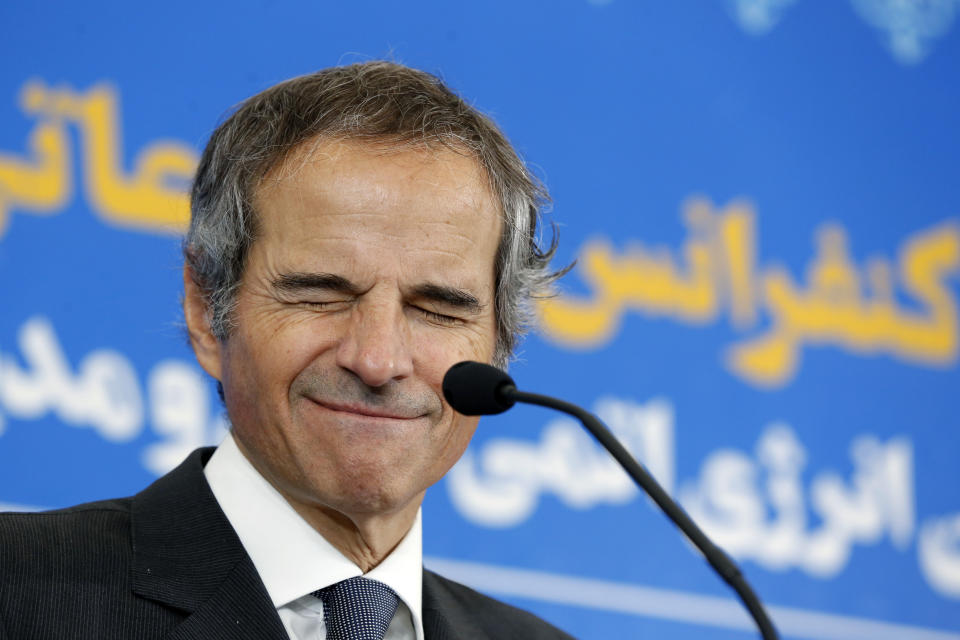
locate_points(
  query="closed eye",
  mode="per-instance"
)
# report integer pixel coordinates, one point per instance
(314, 305)
(439, 318)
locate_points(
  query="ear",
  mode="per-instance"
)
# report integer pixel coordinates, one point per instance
(205, 345)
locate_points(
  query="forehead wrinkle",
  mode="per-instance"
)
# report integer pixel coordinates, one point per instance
(399, 231)
(446, 252)
(452, 221)
(463, 236)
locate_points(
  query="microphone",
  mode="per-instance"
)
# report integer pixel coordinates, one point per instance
(476, 389)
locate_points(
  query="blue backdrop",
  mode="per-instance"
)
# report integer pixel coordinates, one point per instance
(762, 199)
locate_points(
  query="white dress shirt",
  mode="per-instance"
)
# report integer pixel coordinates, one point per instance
(293, 560)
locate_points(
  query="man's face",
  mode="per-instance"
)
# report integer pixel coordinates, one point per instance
(372, 274)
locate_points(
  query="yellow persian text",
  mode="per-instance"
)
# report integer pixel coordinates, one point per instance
(838, 303)
(40, 180)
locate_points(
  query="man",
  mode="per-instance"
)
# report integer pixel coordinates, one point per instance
(354, 233)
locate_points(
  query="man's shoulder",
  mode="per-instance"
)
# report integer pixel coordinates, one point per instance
(83, 548)
(80, 528)
(162, 498)
(74, 512)
(69, 573)
(460, 605)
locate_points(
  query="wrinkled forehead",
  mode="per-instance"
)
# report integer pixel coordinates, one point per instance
(337, 169)
(379, 187)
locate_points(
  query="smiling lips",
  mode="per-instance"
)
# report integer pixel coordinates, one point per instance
(370, 411)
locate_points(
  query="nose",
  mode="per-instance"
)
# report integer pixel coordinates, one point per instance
(375, 345)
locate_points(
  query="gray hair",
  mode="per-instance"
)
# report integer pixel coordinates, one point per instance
(379, 102)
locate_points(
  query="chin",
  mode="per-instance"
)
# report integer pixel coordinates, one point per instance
(373, 490)
(374, 502)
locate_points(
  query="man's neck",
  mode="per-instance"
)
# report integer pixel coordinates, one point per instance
(365, 539)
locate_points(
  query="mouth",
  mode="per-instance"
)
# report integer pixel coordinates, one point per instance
(367, 411)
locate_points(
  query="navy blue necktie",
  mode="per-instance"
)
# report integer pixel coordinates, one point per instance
(357, 609)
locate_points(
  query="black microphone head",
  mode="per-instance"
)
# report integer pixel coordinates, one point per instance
(475, 389)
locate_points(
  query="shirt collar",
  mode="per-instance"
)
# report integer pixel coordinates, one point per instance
(292, 558)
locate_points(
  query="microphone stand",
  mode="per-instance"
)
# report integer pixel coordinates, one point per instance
(719, 560)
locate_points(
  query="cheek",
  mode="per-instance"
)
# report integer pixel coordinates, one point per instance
(456, 438)
(452, 345)
(463, 430)
(433, 357)
(269, 352)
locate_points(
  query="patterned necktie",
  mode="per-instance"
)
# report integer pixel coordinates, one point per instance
(357, 609)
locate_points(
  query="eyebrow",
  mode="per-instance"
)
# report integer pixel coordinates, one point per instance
(449, 296)
(297, 281)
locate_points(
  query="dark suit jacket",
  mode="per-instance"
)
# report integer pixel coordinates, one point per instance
(167, 564)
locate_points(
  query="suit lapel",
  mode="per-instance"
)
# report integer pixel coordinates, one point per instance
(435, 623)
(435, 626)
(445, 617)
(240, 608)
(187, 556)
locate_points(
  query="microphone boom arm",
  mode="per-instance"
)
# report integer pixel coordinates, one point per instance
(717, 558)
